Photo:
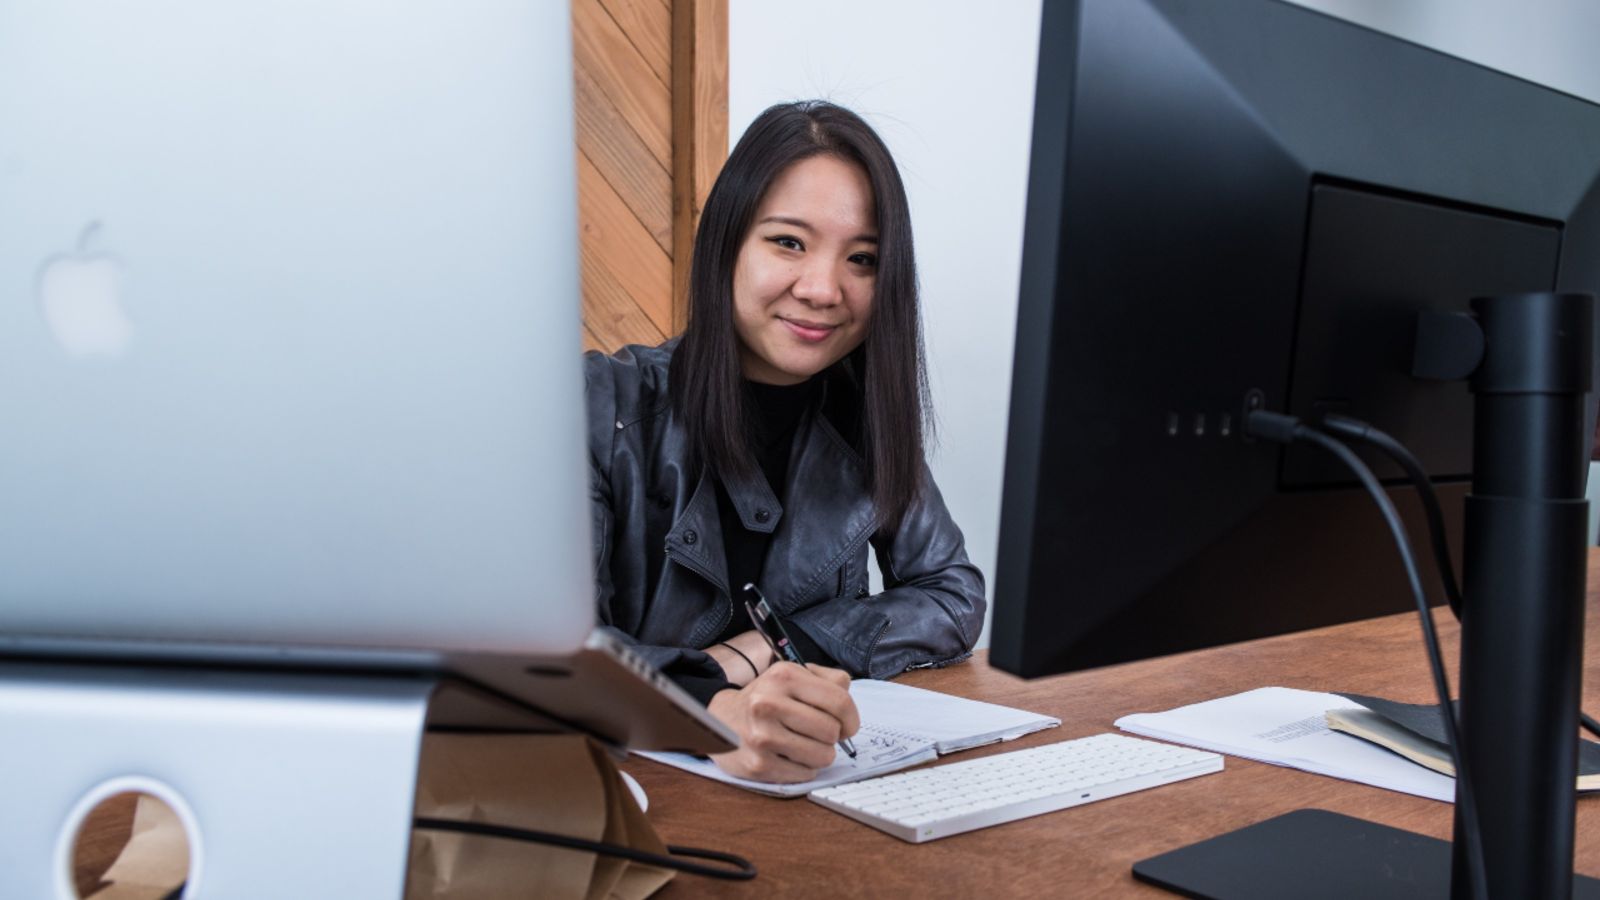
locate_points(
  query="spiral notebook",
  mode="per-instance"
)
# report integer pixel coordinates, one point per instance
(901, 726)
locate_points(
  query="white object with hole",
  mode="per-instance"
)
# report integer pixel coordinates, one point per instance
(287, 785)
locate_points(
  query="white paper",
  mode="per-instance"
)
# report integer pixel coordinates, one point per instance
(950, 723)
(878, 752)
(900, 727)
(1287, 727)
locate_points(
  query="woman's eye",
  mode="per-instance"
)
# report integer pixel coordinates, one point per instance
(787, 242)
(865, 259)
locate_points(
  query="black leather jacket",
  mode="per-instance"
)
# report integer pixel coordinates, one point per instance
(659, 565)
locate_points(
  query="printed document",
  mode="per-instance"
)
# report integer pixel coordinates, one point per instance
(1288, 727)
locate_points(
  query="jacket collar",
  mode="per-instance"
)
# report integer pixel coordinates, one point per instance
(800, 556)
(754, 500)
(830, 516)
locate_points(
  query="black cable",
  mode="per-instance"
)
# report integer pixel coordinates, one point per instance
(1356, 429)
(743, 869)
(1287, 429)
(1344, 426)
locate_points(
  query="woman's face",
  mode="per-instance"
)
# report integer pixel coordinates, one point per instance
(802, 285)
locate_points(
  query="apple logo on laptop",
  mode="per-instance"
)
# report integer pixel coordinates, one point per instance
(80, 294)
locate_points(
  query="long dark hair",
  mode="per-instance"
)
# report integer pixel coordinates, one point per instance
(889, 371)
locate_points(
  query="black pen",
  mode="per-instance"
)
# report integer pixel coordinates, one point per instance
(771, 628)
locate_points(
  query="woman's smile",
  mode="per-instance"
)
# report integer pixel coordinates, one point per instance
(811, 332)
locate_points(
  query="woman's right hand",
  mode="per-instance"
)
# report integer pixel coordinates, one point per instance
(788, 721)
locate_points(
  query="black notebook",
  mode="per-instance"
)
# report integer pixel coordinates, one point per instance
(1416, 731)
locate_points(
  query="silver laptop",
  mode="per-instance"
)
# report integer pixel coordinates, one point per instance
(289, 348)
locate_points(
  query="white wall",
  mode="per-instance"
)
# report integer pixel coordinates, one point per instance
(949, 86)
(1551, 42)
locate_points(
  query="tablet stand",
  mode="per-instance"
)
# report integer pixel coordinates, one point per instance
(289, 785)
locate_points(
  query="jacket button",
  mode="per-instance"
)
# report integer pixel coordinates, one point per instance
(690, 537)
(762, 516)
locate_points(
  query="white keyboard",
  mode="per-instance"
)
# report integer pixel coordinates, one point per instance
(928, 804)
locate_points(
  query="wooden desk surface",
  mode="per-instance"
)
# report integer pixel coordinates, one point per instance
(803, 850)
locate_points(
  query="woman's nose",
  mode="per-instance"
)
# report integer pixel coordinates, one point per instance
(819, 285)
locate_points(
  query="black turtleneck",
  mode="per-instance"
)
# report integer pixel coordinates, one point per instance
(776, 411)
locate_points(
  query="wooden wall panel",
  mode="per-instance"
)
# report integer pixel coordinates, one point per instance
(648, 24)
(650, 84)
(601, 48)
(624, 161)
(700, 126)
(617, 240)
(611, 318)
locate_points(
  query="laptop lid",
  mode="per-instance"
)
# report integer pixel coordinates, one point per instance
(289, 327)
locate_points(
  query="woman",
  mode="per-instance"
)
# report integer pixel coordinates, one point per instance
(772, 442)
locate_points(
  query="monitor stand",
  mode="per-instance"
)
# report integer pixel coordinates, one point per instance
(1522, 616)
(288, 785)
(1313, 853)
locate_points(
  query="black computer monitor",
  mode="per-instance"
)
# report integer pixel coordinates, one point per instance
(1239, 204)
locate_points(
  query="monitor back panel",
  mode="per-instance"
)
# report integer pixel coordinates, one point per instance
(289, 329)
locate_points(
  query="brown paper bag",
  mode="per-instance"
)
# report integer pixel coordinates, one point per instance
(563, 784)
(155, 859)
